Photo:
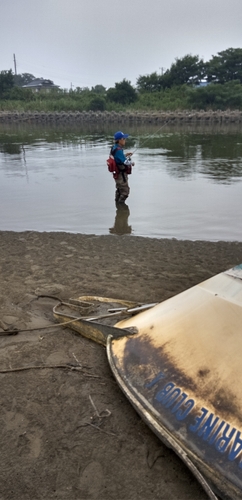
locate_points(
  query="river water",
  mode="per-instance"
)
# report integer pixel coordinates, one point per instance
(186, 183)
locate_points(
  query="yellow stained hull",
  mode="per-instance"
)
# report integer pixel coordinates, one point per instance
(182, 373)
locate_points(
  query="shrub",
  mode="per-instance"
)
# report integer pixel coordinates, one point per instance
(97, 104)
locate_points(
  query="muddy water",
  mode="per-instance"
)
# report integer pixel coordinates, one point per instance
(186, 183)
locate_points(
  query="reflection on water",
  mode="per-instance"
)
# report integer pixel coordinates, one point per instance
(121, 225)
(186, 182)
(214, 151)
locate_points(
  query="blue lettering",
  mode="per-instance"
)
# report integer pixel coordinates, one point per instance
(155, 380)
(236, 448)
(208, 427)
(223, 441)
(198, 420)
(179, 403)
(215, 435)
(188, 407)
(161, 395)
(173, 397)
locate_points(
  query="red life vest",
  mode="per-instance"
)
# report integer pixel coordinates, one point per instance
(112, 165)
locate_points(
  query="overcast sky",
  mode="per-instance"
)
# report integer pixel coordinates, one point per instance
(88, 42)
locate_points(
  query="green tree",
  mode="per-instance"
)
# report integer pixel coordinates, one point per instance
(189, 69)
(149, 83)
(217, 96)
(23, 79)
(99, 89)
(6, 83)
(20, 94)
(97, 104)
(225, 66)
(81, 90)
(123, 93)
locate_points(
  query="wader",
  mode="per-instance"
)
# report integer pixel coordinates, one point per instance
(122, 187)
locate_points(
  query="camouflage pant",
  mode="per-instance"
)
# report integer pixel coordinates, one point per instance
(122, 188)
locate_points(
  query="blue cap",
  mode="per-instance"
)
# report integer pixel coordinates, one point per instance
(120, 135)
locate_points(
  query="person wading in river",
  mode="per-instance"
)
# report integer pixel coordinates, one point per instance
(124, 167)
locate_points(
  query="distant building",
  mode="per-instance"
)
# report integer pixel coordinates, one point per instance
(40, 84)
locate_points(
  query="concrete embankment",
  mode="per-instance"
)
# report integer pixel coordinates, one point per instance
(123, 117)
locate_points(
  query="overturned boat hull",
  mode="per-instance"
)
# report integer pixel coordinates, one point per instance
(179, 364)
(182, 373)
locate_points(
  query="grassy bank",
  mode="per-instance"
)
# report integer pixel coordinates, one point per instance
(213, 97)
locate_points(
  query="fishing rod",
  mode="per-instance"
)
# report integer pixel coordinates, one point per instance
(151, 135)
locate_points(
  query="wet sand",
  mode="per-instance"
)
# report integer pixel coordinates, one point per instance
(49, 450)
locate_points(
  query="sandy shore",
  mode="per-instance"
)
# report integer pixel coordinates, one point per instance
(49, 450)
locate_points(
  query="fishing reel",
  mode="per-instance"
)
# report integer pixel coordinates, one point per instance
(128, 162)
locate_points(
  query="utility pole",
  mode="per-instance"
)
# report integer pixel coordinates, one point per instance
(162, 70)
(15, 65)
